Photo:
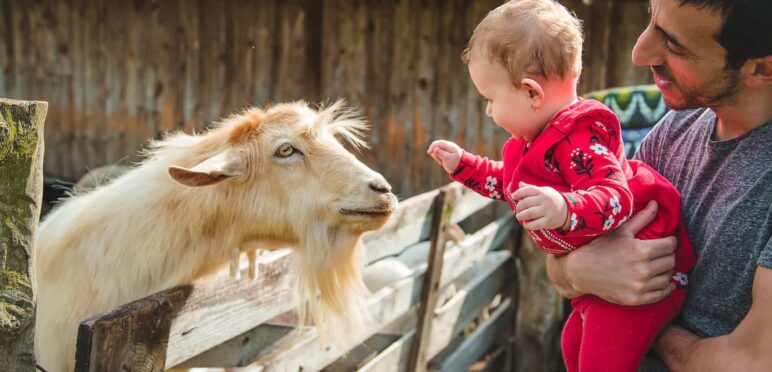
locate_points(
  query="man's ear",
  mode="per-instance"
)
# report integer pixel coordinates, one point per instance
(534, 91)
(221, 166)
(758, 71)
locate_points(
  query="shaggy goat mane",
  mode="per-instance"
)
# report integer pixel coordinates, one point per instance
(338, 119)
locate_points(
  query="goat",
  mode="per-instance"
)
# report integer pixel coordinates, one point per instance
(277, 176)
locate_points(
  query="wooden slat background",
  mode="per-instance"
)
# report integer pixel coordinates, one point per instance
(117, 73)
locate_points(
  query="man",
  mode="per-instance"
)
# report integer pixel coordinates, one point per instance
(712, 59)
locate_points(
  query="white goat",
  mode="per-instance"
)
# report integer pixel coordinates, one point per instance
(277, 176)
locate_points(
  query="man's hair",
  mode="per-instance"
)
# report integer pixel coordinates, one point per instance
(530, 37)
(745, 28)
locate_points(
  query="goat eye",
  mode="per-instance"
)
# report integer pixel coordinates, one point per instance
(285, 150)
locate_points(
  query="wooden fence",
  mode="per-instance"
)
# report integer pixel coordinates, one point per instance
(420, 321)
(119, 72)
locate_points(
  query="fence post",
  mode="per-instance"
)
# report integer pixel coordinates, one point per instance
(133, 337)
(21, 185)
(539, 314)
(516, 238)
(442, 211)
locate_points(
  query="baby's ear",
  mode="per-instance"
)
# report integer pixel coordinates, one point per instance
(534, 89)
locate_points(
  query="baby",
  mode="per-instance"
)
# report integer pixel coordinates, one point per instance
(564, 171)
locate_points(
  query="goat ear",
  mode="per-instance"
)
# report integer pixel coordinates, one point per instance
(217, 168)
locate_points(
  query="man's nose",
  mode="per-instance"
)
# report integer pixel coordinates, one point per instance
(488, 110)
(647, 52)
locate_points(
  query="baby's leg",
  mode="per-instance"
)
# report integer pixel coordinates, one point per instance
(571, 341)
(616, 337)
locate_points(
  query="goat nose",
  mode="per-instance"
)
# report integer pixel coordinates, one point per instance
(380, 187)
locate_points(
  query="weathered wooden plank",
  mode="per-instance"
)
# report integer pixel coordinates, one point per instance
(388, 305)
(144, 65)
(476, 344)
(295, 70)
(303, 351)
(411, 222)
(628, 18)
(218, 311)
(473, 248)
(201, 316)
(362, 354)
(494, 361)
(243, 349)
(540, 313)
(21, 188)
(376, 103)
(265, 21)
(134, 336)
(6, 46)
(477, 287)
(396, 331)
(393, 358)
(493, 276)
(430, 292)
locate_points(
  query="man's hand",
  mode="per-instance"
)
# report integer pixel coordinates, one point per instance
(617, 267)
(746, 348)
(540, 207)
(446, 153)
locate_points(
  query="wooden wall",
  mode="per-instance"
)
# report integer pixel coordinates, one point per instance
(116, 73)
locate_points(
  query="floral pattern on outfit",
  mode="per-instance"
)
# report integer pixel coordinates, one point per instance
(599, 149)
(490, 183)
(580, 154)
(681, 279)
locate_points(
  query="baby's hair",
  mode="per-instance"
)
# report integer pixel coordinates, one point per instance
(539, 38)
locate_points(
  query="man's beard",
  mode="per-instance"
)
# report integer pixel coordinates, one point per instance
(717, 91)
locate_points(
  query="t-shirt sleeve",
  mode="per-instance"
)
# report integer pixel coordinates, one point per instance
(765, 259)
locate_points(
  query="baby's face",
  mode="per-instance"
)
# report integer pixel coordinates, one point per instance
(510, 107)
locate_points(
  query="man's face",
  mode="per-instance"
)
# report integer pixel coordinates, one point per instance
(687, 62)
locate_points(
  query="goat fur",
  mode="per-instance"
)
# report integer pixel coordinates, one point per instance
(176, 216)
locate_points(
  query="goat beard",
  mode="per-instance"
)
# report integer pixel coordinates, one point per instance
(329, 275)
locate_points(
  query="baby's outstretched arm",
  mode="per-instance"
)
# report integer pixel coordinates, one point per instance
(540, 207)
(445, 153)
(477, 173)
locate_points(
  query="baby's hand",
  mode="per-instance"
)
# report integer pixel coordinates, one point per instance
(540, 207)
(446, 153)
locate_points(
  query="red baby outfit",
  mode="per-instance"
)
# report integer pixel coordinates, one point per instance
(580, 154)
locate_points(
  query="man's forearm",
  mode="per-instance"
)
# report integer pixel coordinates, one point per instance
(747, 348)
(556, 272)
(683, 351)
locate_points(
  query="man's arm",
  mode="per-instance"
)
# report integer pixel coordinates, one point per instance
(617, 267)
(747, 348)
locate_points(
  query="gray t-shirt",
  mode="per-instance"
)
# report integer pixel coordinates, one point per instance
(726, 191)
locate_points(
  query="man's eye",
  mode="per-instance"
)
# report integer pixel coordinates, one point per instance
(671, 47)
(285, 150)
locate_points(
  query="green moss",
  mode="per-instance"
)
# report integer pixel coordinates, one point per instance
(20, 136)
(15, 141)
(16, 307)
